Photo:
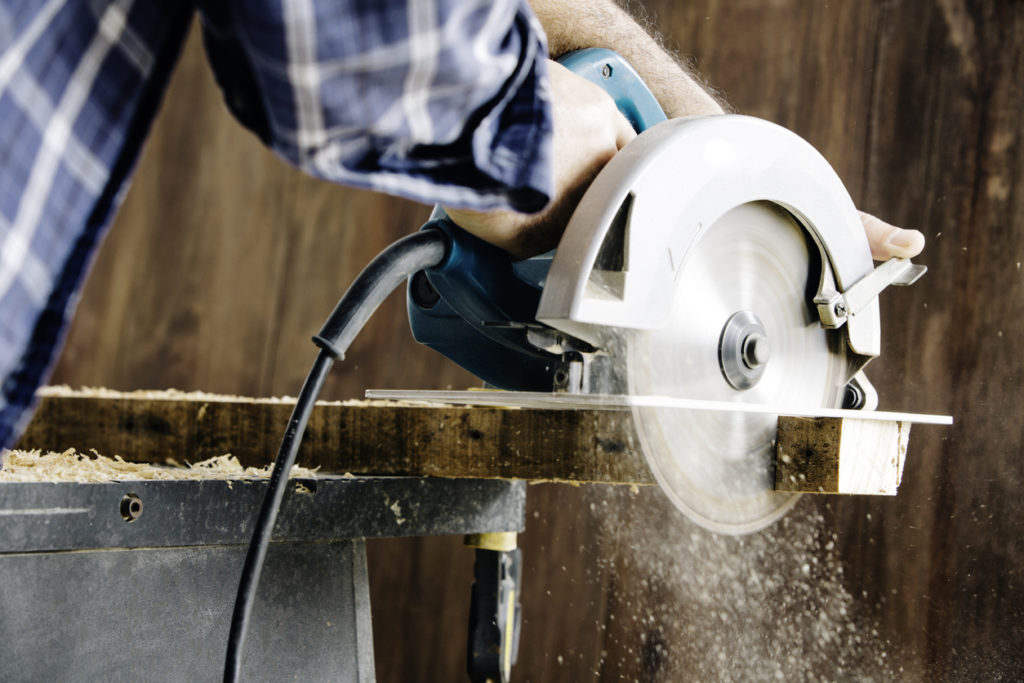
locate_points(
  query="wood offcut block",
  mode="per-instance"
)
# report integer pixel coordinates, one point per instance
(840, 455)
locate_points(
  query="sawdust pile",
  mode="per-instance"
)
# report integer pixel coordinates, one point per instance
(702, 606)
(152, 394)
(65, 391)
(72, 466)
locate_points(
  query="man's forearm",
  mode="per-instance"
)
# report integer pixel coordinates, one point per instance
(573, 25)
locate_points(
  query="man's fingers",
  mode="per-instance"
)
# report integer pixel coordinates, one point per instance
(888, 241)
(625, 131)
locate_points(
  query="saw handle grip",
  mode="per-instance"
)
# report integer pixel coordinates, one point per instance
(478, 279)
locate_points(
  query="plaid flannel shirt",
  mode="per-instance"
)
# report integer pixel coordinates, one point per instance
(435, 100)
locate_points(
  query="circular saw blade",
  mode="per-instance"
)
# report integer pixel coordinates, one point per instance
(718, 468)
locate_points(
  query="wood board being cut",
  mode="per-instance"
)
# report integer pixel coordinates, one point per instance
(357, 437)
(824, 455)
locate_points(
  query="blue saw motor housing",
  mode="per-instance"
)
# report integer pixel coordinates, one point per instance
(479, 306)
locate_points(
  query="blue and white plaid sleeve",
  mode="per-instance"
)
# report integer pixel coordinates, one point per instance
(80, 81)
(436, 100)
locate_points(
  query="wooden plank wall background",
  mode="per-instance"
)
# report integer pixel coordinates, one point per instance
(224, 261)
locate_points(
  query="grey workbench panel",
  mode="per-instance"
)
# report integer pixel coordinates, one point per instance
(68, 516)
(162, 614)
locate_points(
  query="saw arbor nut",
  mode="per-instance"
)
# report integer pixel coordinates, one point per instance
(756, 350)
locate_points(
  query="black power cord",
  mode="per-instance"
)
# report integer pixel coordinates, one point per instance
(384, 273)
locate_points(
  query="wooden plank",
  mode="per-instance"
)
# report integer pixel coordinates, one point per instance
(365, 437)
(840, 455)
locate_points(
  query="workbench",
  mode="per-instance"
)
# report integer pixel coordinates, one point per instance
(133, 577)
(136, 579)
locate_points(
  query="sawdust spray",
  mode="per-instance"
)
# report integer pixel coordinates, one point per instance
(688, 604)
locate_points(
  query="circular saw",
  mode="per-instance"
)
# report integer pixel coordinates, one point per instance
(715, 258)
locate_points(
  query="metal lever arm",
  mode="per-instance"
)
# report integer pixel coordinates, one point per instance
(835, 307)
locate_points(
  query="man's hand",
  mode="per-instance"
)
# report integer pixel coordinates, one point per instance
(589, 130)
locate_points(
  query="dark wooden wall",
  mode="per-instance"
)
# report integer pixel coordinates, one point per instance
(224, 261)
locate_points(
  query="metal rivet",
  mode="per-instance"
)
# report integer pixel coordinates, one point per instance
(131, 507)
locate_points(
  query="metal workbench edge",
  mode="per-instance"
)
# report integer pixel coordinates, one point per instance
(40, 517)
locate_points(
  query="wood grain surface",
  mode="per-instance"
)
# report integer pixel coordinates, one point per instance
(223, 262)
(835, 455)
(364, 437)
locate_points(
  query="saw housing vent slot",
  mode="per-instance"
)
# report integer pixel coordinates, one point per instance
(608, 277)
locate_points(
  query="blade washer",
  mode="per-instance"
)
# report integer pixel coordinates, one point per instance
(743, 350)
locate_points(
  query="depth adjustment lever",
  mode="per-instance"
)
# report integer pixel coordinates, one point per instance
(835, 307)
